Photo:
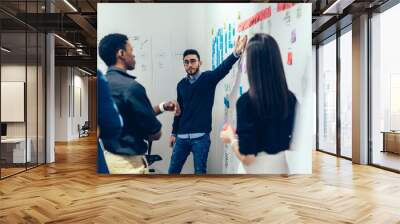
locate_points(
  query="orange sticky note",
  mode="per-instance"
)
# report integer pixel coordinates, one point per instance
(290, 58)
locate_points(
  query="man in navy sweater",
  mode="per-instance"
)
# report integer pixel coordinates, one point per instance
(191, 129)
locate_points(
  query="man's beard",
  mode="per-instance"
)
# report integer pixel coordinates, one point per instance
(129, 64)
(195, 72)
(130, 67)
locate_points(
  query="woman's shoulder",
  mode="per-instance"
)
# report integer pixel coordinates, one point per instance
(292, 98)
(243, 100)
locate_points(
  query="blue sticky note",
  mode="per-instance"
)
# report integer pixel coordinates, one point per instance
(218, 55)
(229, 36)
(226, 102)
(225, 43)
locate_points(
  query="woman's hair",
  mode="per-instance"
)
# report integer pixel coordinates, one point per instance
(268, 88)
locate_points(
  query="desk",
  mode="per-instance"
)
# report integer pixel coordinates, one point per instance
(391, 141)
(13, 150)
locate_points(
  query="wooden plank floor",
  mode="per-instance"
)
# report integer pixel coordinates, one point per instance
(10, 171)
(70, 191)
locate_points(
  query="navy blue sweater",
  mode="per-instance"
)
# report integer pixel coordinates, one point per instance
(197, 99)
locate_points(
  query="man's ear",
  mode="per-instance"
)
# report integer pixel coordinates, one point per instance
(200, 62)
(120, 53)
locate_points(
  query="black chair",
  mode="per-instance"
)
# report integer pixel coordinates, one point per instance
(84, 130)
(151, 158)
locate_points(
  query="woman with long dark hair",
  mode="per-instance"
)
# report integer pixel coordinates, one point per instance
(265, 113)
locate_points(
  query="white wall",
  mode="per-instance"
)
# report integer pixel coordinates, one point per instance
(61, 103)
(68, 82)
(32, 127)
(80, 102)
(314, 109)
(172, 28)
(12, 73)
(15, 73)
(13, 94)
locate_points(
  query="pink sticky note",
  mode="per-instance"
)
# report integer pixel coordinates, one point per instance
(290, 58)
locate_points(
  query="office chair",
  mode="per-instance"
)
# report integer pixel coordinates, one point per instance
(151, 158)
(84, 129)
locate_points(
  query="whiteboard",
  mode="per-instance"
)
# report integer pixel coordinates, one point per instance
(289, 24)
(12, 101)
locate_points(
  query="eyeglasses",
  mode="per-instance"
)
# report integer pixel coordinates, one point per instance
(191, 61)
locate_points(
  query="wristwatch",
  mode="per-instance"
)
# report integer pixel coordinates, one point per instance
(161, 106)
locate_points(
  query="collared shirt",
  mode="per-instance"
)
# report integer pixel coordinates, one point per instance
(115, 68)
(193, 78)
(191, 135)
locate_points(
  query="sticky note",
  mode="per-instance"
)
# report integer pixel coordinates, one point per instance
(293, 39)
(225, 43)
(226, 102)
(290, 58)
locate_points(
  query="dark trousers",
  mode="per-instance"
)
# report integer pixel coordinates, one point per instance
(198, 146)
